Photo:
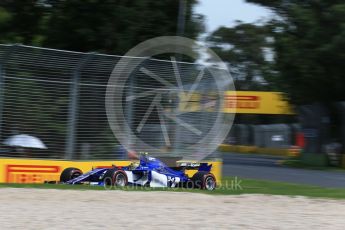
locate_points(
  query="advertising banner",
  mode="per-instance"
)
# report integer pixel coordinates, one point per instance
(254, 102)
(38, 171)
(244, 102)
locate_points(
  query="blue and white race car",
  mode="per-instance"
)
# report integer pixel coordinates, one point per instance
(149, 172)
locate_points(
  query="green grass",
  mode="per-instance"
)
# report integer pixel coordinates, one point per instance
(244, 186)
(252, 186)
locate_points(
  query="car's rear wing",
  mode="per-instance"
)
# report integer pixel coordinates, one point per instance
(200, 166)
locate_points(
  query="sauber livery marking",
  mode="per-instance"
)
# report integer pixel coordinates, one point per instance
(158, 180)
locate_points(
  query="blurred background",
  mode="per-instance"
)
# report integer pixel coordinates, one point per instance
(286, 57)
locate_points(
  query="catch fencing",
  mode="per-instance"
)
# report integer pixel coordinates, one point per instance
(59, 97)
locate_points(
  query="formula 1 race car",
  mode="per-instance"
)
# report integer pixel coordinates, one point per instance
(149, 172)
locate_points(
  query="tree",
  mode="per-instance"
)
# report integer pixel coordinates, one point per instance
(107, 26)
(112, 26)
(246, 48)
(309, 46)
(20, 21)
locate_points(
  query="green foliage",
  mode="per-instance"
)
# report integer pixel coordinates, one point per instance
(309, 46)
(243, 46)
(108, 26)
(19, 21)
(5, 17)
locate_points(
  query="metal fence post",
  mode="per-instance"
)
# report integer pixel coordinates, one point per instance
(73, 107)
(3, 61)
(129, 108)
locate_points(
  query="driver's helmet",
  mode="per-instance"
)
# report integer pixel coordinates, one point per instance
(134, 165)
(143, 155)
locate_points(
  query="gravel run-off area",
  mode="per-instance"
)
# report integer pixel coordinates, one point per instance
(73, 209)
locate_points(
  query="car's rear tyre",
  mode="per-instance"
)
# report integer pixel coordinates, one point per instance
(69, 174)
(115, 177)
(120, 178)
(204, 180)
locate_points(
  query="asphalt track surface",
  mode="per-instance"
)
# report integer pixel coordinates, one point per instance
(268, 168)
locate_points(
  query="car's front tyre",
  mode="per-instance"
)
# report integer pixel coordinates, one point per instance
(69, 174)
